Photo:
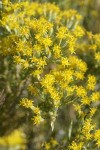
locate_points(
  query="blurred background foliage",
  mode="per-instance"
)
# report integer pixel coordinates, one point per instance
(89, 9)
(30, 137)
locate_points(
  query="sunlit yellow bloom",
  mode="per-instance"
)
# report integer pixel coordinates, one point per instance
(97, 56)
(80, 91)
(95, 96)
(62, 32)
(91, 82)
(93, 111)
(26, 103)
(65, 62)
(97, 137)
(16, 137)
(76, 146)
(37, 119)
(78, 108)
(86, 101)
(87, 128)
(57, 51)
(47, 146)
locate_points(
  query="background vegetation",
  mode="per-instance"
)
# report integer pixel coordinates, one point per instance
(32, 116)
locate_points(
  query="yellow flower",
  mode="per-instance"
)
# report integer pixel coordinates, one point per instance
(65, 62)
(62, 32)
(79, 75)
(72, 44)
(57, 51)
(85, 100)
(91, 82)
(41, 63)
(55, 95)
(47, 146)
(38, 48)
(26, 103)
(78, 32)
(15, 138)
(97, 137)
(78, 108)
(47, 41)
(76, 146)
(97, 56)
(48, 81)
(37, 119)
(81, 92)
(87, 128)
(95, 96)
(53, 142)
(5, 2)
(37, 73)
(18, 60)
(36, 110)
(25, 64)
(93, 47)
(93, 111)
(69, 90)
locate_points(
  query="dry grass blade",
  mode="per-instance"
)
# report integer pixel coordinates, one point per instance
(2, 97)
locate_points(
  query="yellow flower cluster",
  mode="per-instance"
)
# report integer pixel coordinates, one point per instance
(91, 82)
(37, 119)
(44, 41)
(87, 128)
(90, 48)
(76, 146)
(17, 137)
(97, 137)
(26, 103)
(51, 144)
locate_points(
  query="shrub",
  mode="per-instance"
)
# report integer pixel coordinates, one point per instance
(44, 69)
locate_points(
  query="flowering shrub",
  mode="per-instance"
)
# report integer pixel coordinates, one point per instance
(43, 55)
(14, 139)
(89, 9)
